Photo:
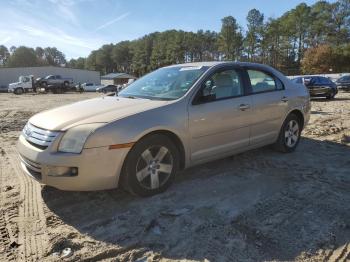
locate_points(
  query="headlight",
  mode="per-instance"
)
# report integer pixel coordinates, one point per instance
(74, 139)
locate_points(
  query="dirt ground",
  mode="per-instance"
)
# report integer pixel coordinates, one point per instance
(258, 206)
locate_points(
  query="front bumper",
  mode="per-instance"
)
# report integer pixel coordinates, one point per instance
(321, 91)
(98, 168)
(345, 87)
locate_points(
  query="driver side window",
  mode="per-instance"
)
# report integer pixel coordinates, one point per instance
(221, 85)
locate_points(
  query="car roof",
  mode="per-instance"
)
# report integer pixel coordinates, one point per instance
(257, 66)
(214, 63)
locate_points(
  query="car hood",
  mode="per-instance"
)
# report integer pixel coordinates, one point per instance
(14, 84)
(97, 110)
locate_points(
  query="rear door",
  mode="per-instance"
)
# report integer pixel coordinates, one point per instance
(270, 104)
(220, 125)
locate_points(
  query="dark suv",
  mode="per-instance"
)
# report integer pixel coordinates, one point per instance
(344, 82)
(318, 86)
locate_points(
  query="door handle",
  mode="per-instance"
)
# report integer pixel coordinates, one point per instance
(244, 107)
(284, 99)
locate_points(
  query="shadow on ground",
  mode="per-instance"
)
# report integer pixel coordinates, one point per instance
(260, 205)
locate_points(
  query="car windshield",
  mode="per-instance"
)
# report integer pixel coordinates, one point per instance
(164, 84)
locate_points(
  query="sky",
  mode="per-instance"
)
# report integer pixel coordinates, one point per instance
(76, 27)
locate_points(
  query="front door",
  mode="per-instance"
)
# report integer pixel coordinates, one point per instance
(219, 118)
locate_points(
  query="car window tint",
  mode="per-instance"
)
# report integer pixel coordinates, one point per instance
(226, 84)
(315, 80)
(261, 82)
(299, 81)
(324, 80)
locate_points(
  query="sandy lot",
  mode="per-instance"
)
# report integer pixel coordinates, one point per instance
(257, 206)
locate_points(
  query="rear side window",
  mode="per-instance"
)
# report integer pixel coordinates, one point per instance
(263, 82)
(316, 80)
(298, 80)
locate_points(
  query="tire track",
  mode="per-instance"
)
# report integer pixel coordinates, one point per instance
(7, 236)
(340, 254)
(32, 226)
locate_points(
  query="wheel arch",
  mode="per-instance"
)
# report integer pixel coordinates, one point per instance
(299, 114)
(175, 139)
(172, 136)
(19, 87)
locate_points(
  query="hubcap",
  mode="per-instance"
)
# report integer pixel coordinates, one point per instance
(291, 134)
(154, 167)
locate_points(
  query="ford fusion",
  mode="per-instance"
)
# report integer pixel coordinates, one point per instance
(173, 118)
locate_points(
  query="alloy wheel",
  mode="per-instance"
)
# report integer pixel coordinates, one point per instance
(291, 134)
(154, 167)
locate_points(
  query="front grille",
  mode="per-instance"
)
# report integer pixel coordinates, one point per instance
(38, 137)
(33, 168)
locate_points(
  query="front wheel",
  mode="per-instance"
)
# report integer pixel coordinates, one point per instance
(331, 95)
(150, 166)
(289, 136)
(19, 91)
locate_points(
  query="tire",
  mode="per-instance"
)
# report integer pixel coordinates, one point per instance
(150, 166)
(331, 95)
(19, 91)
(289, 136)
(44, 84)
(66, 84)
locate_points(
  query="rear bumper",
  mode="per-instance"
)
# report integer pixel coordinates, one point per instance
(98, 168)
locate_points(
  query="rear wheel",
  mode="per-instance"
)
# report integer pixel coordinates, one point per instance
(44, 84)
(151, 166)
(289, 136)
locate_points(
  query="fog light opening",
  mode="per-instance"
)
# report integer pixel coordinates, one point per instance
(60, 171)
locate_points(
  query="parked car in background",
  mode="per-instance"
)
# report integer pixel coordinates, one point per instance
(88, 87)
(25, 84)
(344, 83)
(55, 80)
(318, 86)
(107, 89)
(173, 118)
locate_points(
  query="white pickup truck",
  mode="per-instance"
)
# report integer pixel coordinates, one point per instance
(25, 84)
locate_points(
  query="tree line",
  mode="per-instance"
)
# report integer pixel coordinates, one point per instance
(25, 56)
(305, 39)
